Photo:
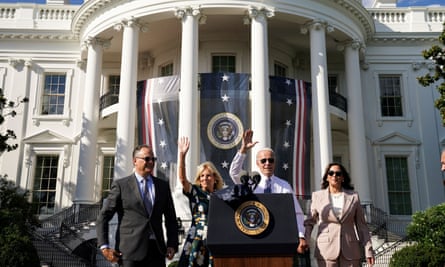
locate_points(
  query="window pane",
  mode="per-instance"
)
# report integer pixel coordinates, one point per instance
(45, 182)
(399, 192)
(53, 98)
(280, 69)
(114, 84)
(107, 179)
(223, 63)
(167, 70)
(390, 96)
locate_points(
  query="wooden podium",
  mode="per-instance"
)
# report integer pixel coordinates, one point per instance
(252, 231)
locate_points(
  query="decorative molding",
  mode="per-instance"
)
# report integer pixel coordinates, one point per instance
(196, 12)
(66, 156)
(15, 63)
(316, 24)
(426, 64)
(129, 22)
(255, 12)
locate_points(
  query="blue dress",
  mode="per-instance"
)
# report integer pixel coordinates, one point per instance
(195, 253)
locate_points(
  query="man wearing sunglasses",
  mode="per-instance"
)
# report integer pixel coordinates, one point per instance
(269, 183)
(141, 202)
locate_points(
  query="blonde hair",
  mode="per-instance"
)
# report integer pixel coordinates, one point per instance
(219, 183)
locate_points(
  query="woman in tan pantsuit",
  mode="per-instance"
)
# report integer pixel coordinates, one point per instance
(342, 229)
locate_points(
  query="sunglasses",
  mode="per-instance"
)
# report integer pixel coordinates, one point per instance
(270, 160)
(147, 159)
(331, 173)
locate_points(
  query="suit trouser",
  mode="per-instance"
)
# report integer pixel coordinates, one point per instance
(339, 262)
(153, 258)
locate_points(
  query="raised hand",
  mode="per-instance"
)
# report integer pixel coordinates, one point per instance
(247, 142)
(183, 145)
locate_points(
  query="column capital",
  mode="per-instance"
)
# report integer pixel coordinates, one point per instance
(182, 12)
(90, 41)
(354, 44)
(317, 24)
(257, 12)
(130, 22)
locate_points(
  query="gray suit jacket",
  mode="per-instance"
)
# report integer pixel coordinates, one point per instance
(338, 235)
(134, 224)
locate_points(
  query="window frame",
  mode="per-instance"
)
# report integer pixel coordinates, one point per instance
(396, 145)
(212, 55)
(405, 157)
(63, 153)
(65, 118)
(406, 116)
(164, 65)
(278, 64)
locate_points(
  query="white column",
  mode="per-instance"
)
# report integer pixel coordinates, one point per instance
(320, 100)
(188, 106)
(126, 117)
(260, 79)
(356, 126)
(90, 118)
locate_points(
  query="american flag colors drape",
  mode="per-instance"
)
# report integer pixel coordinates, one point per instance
(224, 115)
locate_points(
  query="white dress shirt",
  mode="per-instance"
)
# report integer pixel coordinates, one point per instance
(278, 186)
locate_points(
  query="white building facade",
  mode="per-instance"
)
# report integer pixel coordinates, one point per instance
(79, 66)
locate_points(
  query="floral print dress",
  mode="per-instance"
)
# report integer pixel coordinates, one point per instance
(195, 253)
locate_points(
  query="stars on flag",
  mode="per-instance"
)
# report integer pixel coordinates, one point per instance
(289, 102)
(225, 98)
(225, 78)
(225, 164)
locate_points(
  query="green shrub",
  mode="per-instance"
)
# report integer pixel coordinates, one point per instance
(419, 255)
(428, 226)
(16, 248)
(427, 229)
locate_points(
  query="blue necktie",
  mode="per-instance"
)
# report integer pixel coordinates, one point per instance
(268, 188)
(147, 197)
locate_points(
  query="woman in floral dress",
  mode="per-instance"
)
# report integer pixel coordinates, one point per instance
(207, 180)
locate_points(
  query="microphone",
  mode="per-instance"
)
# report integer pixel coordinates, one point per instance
(256, 178)
(244, 178)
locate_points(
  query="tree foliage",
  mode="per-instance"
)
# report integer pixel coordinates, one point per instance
(16, 216)
(437, 55)
(7, 109)
(427, 230)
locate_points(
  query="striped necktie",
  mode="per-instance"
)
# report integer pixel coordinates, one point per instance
(147, 196)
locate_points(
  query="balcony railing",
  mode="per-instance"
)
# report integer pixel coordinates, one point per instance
(108, 99)
(338, 101)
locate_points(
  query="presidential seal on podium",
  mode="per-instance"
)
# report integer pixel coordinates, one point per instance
(252, 217)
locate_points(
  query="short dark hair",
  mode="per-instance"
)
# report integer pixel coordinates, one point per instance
(138, 149)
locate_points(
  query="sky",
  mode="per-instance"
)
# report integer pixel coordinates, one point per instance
(401, 3)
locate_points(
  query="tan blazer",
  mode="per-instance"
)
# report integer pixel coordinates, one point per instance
(348, 234)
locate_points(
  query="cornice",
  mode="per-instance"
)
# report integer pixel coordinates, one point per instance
(87, 10)
(68, 36)
(356, 9)
(403, 38)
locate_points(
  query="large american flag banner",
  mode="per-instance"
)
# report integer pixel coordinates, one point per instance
(290, 130)
(158, 108)
(224, 115)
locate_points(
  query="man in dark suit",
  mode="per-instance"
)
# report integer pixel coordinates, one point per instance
(140, 201)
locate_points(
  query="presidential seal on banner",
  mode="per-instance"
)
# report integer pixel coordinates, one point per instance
(225, 130)
(252, 218)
